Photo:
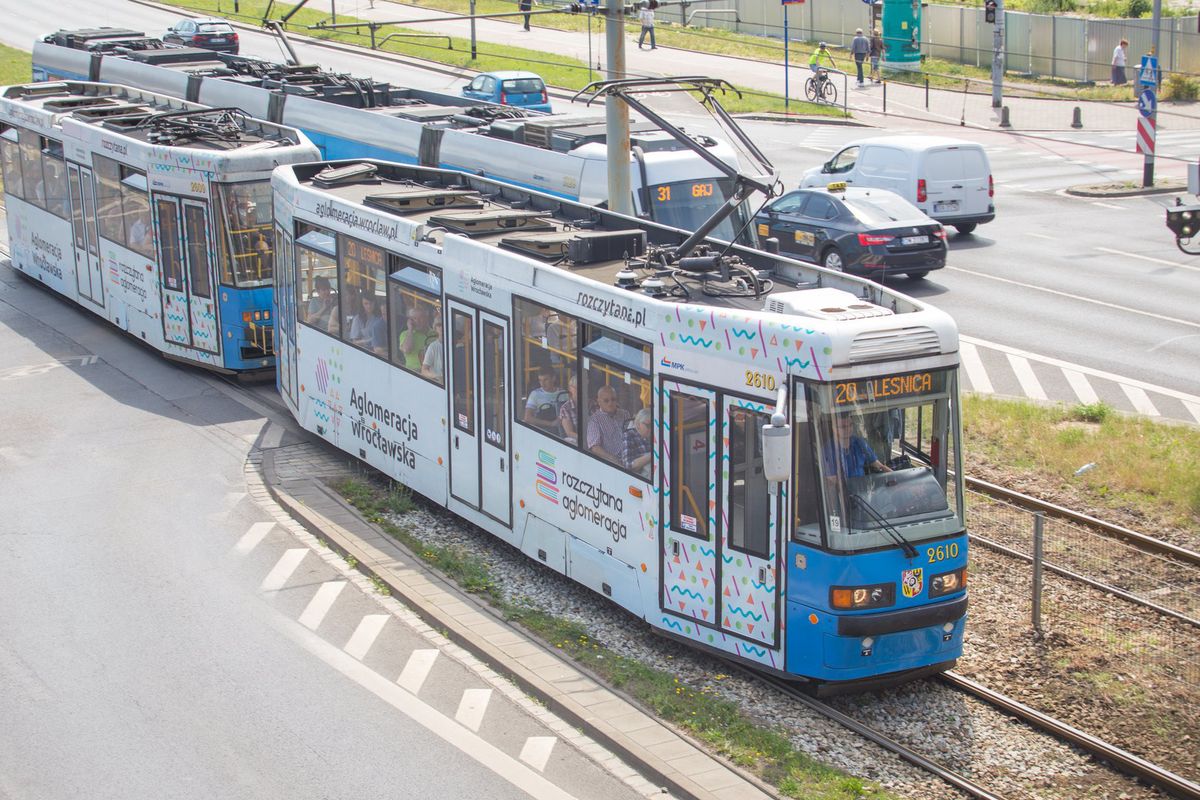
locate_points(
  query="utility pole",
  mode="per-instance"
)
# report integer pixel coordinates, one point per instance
(995, 10)
(1148, 159)
(474, 54)
(616, 114)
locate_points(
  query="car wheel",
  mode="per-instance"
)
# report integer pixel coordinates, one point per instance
(966, 227)
(832, 259)
(917, 274)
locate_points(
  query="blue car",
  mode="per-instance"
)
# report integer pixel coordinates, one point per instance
(510, 88)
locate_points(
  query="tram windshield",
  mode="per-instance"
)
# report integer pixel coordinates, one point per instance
(246, 237)
(885, 454)
(688, 204)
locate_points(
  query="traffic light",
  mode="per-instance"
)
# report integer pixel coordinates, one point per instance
(989, 11)
(1184, 222)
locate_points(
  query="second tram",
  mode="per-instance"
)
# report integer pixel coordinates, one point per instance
(149, 211)
(757, 456)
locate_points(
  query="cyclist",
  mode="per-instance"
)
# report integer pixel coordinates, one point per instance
(814, 63)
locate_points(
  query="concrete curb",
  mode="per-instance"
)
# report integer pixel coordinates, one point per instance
(384, 559)
(797, 119)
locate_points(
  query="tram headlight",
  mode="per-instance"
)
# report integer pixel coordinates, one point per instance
(879, 595)
(948, 582)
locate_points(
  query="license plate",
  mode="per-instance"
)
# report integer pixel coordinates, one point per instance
(217, 40)
(943, 207)
(914, 240)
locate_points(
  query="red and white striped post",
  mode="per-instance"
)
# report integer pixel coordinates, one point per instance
(1145, 145)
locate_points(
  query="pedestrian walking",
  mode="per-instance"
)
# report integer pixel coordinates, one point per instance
(1118, 63)
(646, 17)
(860, 48)
(876, 54)
(526, 5)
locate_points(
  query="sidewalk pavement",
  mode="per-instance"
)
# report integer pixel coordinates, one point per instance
(905, 100)
(661, 754)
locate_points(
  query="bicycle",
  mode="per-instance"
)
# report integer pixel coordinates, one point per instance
(819, 88)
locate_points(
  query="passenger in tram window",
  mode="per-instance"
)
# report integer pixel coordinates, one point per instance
(605, 430)
(322, 306)
(638, 445)
(369, 329)
(139, 233)
(415, 338)
(548, 331)
(433, 365)
(856, 454)
(568, 412)
(543, 403)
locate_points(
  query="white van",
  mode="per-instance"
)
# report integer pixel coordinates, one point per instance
(949, 179)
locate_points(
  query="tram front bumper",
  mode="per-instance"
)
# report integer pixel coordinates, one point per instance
(904, 620)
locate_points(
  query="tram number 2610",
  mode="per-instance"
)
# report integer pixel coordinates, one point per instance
(760, 380)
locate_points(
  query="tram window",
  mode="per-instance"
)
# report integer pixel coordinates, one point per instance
(109, 216)
(316, 267)
(363, 294)
(615, 387)
(749, 503)
(10, 157)
(246, 238)
(136, 204)
(493, 384)
(415, 313)
(690, 444)
(462, 361)
(171, 258)
(195, 227)
(545, 364)
(31, 168)
(54, 169)
(805, 488)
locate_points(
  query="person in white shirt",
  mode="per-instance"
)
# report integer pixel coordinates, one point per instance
(646, 17)
(1118, 63)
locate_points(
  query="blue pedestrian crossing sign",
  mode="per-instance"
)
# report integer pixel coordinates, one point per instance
(1148, 74)
(1147, 102)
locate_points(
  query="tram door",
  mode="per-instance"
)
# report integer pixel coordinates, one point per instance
(749, 526)
(720, 529)
(188, 306)
(88, 273)
(480, 444)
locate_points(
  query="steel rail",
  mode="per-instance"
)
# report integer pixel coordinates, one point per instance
(887, 743)
(1121, 760)
(1147, 543)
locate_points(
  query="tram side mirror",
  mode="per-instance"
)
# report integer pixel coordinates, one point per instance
(777, 449)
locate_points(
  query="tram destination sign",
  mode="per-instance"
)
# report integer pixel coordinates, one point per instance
(913, 383)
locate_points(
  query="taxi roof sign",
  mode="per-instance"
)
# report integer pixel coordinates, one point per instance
(836, 186)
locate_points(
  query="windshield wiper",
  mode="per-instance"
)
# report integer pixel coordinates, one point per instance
(878, 519)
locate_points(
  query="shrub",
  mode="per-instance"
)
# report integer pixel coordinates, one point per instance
(1181, 87)
(1138, 8)
(1092, 412)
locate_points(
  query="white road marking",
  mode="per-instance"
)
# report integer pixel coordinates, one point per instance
(1030, 385)
(1193, 409)
(1042, 236)
(283, 569)
(1095, 373)
(470, 744)
(1140, 400)
(252, 537)
(1080, 298)
(1083, 389)
(365, 634)
(320, 604)
(1151, 259)
(472, 707)
(417, 668)
(973, 364)
(1106, 205)
(536, 751)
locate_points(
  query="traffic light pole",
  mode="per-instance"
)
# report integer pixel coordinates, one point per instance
(998, 56)
(1148, 156)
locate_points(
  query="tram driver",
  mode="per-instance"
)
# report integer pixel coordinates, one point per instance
(856, 454)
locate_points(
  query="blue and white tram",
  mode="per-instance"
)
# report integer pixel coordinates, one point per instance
(350, 117)
(152, 212)
(757, 456)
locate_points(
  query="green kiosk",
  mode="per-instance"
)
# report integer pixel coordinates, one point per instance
(901, 33)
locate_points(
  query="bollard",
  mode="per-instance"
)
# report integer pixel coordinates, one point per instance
(1077, 120)
(885, 97)
(927, 94)
(1004, 123)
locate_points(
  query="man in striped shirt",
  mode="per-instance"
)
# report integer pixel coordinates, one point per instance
(605, 429)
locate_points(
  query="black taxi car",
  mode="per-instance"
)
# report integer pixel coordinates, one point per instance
(870, 232)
